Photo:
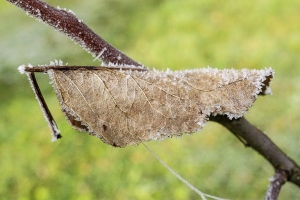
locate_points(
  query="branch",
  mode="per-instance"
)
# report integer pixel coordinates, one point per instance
(260, 142)
(76, 30)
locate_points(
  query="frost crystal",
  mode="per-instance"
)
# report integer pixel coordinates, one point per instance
(100, 54)
(59, 8)
(56, 131)
(70, 11)
(56, 63)
(38, 13)
(21, 69)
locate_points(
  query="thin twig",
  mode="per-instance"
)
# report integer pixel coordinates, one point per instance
(44, 69)
(47, 114)
(276, 182)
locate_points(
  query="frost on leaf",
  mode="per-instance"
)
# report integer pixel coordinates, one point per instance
(129, 107)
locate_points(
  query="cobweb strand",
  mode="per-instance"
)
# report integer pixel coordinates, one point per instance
(201, 194)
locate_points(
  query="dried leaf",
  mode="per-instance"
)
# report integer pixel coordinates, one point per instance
(129, 107)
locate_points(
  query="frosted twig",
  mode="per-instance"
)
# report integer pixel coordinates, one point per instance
(44, 69)
(76, 30)
(276, 182)
(203, 195)
(47, 114)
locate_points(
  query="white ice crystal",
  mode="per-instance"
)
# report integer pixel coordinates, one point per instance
(71, 11)
(100, 54)
(56, 63)
(21, 69)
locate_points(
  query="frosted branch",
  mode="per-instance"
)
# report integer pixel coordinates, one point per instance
(262, 144)
(76, 30)
(276, 182)
(47, 114)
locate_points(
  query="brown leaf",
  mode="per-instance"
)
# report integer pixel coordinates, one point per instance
(129, 107)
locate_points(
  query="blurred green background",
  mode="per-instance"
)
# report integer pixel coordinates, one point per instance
(162, 34)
